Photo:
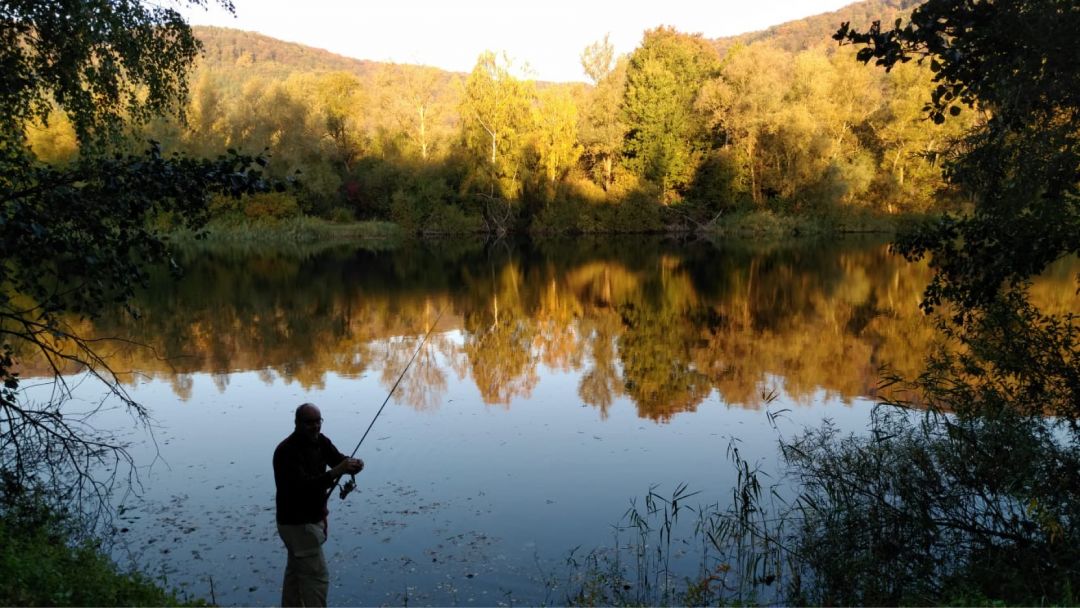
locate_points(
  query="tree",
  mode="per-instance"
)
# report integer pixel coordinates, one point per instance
(76, 237)
(102, 61)
(283, 118)
(602, 129)
(743, 103)
(412, 96)
(910, 147)
(665, 137)
(556, 133)
(496, 116)
(598, 59)
(205, 135)
(337, 98)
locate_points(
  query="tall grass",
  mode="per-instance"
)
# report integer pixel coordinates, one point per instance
(667, 551)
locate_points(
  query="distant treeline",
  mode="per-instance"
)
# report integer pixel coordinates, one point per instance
(675, 134)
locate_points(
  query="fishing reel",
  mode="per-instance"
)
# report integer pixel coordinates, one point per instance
(347, 487)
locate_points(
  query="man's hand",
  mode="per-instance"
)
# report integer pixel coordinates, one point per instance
(350, 466)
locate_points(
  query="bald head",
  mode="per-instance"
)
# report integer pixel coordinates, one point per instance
(308, 421)
(307, 411)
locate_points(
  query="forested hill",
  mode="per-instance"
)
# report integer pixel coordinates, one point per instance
(226, 48)
(810, 32)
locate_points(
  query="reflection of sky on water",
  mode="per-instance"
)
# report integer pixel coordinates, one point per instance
(461, 503)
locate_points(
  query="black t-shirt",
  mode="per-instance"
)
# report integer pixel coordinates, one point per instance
(302, 478)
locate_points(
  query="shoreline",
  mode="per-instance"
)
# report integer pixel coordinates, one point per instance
(753, 224)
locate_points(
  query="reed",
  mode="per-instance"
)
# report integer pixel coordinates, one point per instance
(668, 551)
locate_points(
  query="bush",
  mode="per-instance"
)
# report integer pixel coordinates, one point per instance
(715, 185)
(939, 509)
(270, 206)
(451, 219)
(341, 215)
(371, 189)
(563, 215)
(413, 206)
(640, 212)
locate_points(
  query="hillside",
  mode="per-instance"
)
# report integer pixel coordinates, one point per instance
(795, 36)
(226, 49)
(236, 55)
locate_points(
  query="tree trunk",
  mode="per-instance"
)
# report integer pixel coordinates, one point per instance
(423, 133)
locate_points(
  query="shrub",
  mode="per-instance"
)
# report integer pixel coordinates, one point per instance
(341, 215)
(451, 219)
(270, 206)
(412, 206)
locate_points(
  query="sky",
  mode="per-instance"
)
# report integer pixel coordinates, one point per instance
(548, 35)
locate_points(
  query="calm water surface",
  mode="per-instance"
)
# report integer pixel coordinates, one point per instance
(560, 381)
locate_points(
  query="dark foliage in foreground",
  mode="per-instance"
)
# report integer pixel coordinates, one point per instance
(1018, 61)
(78, 236)
(977, 498)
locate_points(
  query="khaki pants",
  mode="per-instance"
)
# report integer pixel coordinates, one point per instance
(306, 577)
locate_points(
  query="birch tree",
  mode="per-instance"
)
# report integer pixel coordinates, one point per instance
(496, 115)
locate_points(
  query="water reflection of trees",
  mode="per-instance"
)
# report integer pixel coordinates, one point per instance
(662, 326)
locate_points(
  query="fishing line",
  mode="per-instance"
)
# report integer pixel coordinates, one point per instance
(351, 484)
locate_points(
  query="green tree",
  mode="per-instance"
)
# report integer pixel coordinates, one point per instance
(665, 137)
(280, 117)
(102, 62)
(911, 147)
(337, 99)
(205, 134)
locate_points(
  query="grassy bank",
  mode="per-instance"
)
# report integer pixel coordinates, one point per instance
(758, 224)
(42, 563)
(739, 224)
(294, 230)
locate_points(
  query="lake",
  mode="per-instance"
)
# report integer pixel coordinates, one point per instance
(561, 381)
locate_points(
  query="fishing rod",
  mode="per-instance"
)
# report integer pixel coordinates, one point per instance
(351, 484)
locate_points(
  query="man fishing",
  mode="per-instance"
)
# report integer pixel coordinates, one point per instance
(306, 467)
